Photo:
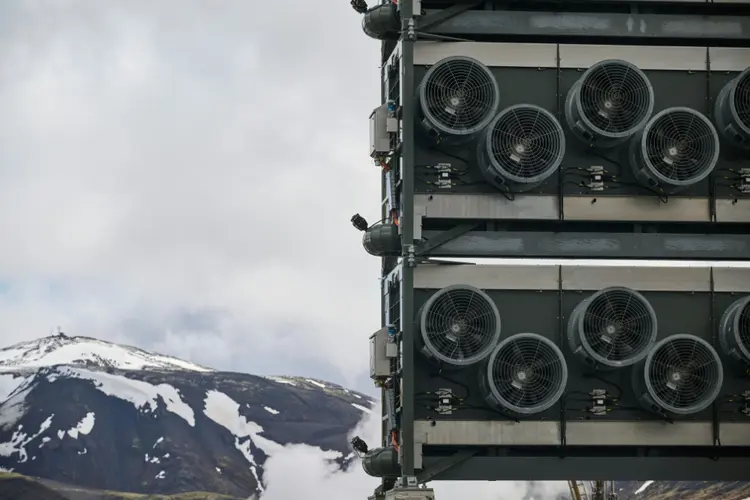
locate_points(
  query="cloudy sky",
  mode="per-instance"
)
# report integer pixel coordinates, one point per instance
(180, 175)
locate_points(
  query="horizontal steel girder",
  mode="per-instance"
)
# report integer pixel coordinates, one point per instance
(593, 245)
(732, 29)
(540, 468)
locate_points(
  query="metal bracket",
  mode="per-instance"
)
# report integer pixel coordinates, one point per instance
(443, 15)
(444, 465)
(445, 237)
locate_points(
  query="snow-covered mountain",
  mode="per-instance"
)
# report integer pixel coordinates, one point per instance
(109, 417)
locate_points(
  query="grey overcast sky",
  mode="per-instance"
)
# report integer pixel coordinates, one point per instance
(180, 174)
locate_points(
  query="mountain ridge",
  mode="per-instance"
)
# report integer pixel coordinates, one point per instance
(175, 426)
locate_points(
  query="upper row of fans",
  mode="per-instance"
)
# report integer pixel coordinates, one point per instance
(612, 103)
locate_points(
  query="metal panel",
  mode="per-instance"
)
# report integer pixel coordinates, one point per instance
(732, 210)
(486, 206)
(645, 57)
(521, 55)
(731, 279)
(729, 58)
(640, 433)
(626, 208)
(591, 245)
(590, 433)
(735, 433)
(487, 276)
(611, 25)
(493, 433)
(661, 279)
(552, 468)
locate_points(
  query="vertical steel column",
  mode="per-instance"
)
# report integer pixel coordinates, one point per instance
(407, 232)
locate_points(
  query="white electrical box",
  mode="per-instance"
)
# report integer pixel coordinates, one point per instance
(410, 494)
(382, 350)
(380, 139)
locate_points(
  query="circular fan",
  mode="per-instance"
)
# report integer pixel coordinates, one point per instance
(678, 148)
(609, 103)
(614, 327)
(525, 374)
(734, 330)
(732, 110)
(460, 325)
(522, 147)
(458, 97)
(682, 375)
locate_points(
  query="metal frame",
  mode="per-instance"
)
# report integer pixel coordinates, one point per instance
(696, 22)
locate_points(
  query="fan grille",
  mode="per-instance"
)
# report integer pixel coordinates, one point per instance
(526, 143)
(684, 374)
(460, 325)
(680, 146)
(741, 99)
(527, 373)
(742, 329)
(617, 326)
(616, 97)
(459, 95)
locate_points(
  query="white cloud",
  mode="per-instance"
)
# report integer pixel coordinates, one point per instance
(176, 157)
(312, 473)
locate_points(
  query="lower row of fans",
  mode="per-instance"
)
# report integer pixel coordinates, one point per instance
(614, 328)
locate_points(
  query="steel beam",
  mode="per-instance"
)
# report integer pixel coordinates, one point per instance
(591, 245)
(406, 429)
(697, 29)
(539, 468)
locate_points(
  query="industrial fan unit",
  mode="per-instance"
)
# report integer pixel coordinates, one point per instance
(734, 330)
(459, 326)
(732, 110)
(611, 101)
(613, 328)
(521, 148)
(682, 375)
(525, 374)
(457, 98)
(677, 148)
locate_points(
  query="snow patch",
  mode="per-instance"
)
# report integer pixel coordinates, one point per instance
(85, 426)
(85, 450)
(313, 382)
(226, 412)
(14, 408)
(361, 408)
(643, 487)
(45, 440)
(357, 396)
(218, 470)
(9, 382)
(143, 395)
(160, 475)
(151, 460)
(271, 410)
(281, 380)
(20, 440)
(63, 350)
(158, 441)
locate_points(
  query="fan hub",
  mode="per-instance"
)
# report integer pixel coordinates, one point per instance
(521, 375)
(676, 376)
(459, 326)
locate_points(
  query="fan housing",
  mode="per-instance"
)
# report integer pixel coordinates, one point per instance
(682, 375)
(525, 374)
(677, 148)
(613, 328)
(609, 103)
(732, 110)
(521, 148)
(457, 98)
(382, 239)
(459, 325)
(734, 330)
